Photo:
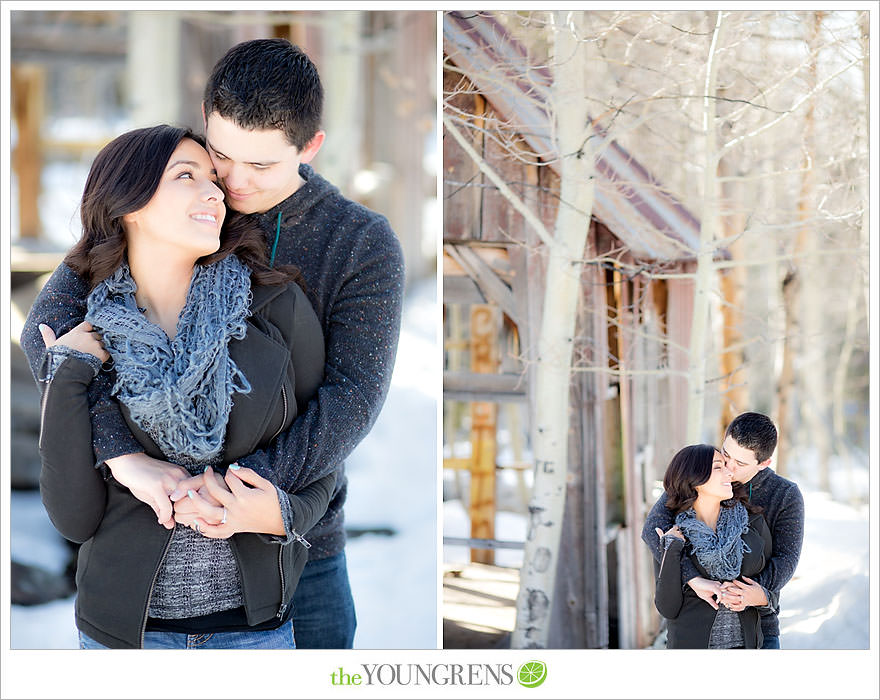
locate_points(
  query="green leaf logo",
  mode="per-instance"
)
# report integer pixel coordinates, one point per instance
(532, 673)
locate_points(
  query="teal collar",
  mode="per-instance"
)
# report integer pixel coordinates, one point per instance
(275, 244)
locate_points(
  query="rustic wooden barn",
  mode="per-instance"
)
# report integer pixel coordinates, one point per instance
(628, 389)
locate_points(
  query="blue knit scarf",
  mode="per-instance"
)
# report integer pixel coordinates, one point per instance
(719, 551)
(179, 391)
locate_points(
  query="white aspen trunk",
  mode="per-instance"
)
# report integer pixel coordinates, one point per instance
(341, 155)
(840, 374)
(556, 339)
(705, 265)
(813, 366)
(858, 290)
(153, 68)
(866, 192)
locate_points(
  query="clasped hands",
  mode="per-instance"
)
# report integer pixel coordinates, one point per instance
(735, 595)
(215, 506)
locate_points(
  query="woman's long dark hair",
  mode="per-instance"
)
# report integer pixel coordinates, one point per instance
(123, 179)
(691, 467)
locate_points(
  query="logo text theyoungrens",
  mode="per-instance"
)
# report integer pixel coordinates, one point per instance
(425, 674)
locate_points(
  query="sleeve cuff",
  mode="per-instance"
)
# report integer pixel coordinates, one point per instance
(56, 354)
(772, 603)
(286, 518)
(668, 541)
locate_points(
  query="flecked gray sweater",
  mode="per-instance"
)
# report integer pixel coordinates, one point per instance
(783, 509)
(353, 267)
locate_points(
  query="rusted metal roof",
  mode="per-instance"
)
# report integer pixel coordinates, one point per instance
(628, 199)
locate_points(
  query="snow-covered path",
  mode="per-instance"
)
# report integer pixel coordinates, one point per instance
(826, 604)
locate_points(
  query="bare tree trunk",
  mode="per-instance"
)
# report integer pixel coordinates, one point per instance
(840, 373)
(153, 67)
(866, 192)
(342, 153)
(858, 290)
(790, 294)
(734, 397)
(705, 265)
(814, 366)
(555, 343)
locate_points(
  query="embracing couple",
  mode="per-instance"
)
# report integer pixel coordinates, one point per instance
(217, 342)
(726, 536)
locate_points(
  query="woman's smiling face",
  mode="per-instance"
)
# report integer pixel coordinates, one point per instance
(718, 485)
(186, 212)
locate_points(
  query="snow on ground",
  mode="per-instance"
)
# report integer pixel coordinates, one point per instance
(392, 484)
(826, 604)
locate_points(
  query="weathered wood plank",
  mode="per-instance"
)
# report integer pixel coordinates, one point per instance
(474, 386)
(462, 179)
(492, 287)
(28, 105)
(485, 321)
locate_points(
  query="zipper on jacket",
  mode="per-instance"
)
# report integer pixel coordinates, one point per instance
(43, 412)
(44, 403)
(305, 543)
(663, 558)
(282, 606)
(302, 540)
(284, 415)
(153, 585)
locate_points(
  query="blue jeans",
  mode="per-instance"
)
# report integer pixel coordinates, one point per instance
(771, 641)
(323, 609)
(281, 638)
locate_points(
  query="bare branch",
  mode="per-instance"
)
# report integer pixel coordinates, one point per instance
(503, 188)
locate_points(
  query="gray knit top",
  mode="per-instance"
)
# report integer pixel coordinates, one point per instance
(199, 575)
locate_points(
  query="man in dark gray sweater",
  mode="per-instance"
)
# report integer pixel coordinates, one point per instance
(748, 446)
(262, 111)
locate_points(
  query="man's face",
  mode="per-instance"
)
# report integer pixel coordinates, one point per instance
(740, 460)
(256, 168)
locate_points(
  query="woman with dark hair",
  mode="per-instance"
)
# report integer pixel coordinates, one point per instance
(213, 354)
(725, 538)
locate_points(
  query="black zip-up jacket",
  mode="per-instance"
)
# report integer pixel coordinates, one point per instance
(282, 355)
(353, 267)
(689, 617)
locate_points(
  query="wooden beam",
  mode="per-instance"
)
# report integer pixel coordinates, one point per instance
(457, 463)
(460, 289)
(28, 107)
(51, 42)
(474, 386)
(485, 322)
(491, 286)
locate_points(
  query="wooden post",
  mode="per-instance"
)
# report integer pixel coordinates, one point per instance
(484, 358)
(28, 106)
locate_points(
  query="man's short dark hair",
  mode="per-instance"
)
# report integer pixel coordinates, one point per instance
(754, 431)
(267, 84)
